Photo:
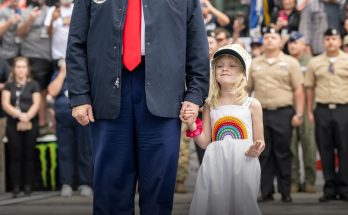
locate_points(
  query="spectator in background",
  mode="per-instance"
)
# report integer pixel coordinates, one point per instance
(277, 82)
(36, 45)
(21, 100)
(222, 37)
(213, 18)
(327, 85)
(9, 18)
(4, 71)
(345, 26)
(334, 14)
(285, 19)
(313, 24)
(256, 48)
(345, 9)
(57, 23)
(213, 45)
(345, 44)
(74, 140)
(304, 134)
(238, 27)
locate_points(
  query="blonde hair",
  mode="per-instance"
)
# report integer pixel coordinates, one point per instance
(215, 90)
(12, 76)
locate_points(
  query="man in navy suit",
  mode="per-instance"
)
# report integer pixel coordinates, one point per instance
(127, 64)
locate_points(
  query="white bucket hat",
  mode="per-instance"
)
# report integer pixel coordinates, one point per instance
(237, 51)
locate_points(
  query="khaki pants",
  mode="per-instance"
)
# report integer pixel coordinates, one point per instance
(2, 155)
(304, 136)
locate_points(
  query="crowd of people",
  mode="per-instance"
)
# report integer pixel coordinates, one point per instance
(298, 76)
(33, 74)
(299, 65)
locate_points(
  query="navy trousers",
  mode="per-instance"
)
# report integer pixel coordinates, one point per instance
(136, 146)
(74, 145)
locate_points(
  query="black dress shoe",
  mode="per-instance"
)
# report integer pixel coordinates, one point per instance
(286, 198)
(265, 198)
(325, 198)
(344, 198)
(27, 190)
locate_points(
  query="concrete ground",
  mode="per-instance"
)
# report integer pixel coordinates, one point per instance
(52, 204)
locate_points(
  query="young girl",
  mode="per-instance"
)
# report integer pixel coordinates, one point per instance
(21, 102)
(228, 180)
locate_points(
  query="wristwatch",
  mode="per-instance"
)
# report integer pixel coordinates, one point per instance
(299, 116)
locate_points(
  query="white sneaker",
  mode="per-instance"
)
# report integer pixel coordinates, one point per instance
(85, 190)
(66, 191)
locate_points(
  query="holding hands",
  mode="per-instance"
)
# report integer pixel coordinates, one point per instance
(188, 114)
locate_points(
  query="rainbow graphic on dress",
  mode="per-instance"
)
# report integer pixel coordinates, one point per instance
(229, 126)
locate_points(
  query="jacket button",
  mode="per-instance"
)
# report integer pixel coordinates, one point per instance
(115, 47)
(148, 83)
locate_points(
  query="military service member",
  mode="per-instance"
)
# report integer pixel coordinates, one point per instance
(327, 84)
(277, 82)
(304, 134)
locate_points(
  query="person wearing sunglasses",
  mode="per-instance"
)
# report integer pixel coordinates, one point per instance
(327, 85)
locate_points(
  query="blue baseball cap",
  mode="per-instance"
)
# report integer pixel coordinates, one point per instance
(295, 35)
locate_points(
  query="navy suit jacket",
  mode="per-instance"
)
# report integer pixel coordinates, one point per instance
(176, 51)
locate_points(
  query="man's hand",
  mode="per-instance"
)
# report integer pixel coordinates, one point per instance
(193, 108)
(311, 118)
(83, 114)
(238, 26)
(296, 121)
(208, 4)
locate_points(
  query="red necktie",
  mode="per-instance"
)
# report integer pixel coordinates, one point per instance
(132, 35)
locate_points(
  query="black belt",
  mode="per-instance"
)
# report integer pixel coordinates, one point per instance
(331, 105)
(277, 108)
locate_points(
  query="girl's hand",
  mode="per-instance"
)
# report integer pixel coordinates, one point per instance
(256, 149)
(189, 121)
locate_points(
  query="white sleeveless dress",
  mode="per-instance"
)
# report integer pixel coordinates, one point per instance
(228, 181)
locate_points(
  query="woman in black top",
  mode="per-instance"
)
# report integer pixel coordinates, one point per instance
(21, 101)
